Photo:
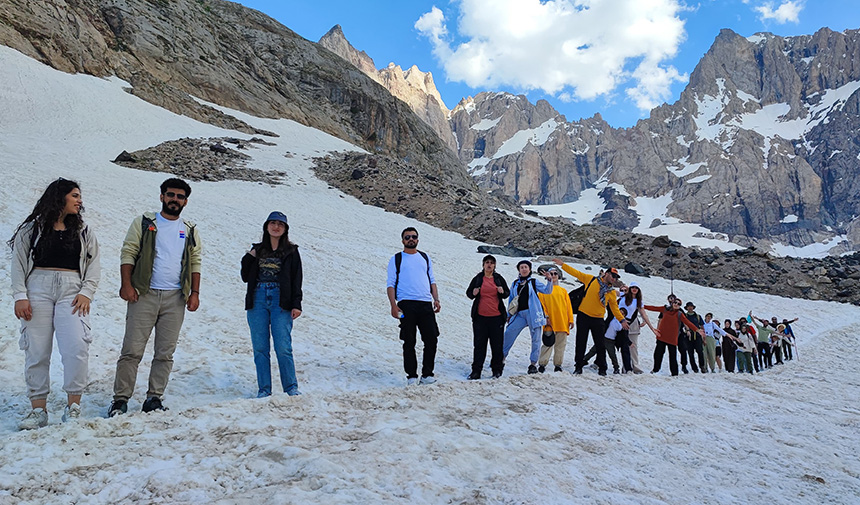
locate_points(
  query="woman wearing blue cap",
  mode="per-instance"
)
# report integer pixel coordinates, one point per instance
(273, 271)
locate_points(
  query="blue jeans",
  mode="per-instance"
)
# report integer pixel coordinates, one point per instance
(267, 319)
(515, 326)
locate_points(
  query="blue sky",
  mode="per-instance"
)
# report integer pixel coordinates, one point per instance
(615, 57)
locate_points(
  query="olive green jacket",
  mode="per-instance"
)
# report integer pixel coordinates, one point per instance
(138, 249)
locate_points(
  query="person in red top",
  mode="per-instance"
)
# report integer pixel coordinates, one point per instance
(488, 290)
(667, 333)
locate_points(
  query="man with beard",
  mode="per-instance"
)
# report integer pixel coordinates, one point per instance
(160, 272)
(414, 299)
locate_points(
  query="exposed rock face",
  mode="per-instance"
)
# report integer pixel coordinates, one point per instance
(413, 86)
(762, 144)
(171, 50)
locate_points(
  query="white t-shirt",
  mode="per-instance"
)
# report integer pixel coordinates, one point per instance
(413, 283)
(169, 245)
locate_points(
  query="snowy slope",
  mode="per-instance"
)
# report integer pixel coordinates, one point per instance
(357, 435)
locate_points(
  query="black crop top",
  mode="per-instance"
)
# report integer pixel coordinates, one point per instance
(58, 249)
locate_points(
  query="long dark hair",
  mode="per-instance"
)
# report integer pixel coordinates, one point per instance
(284, 245)
(49, 208)
(628, 296)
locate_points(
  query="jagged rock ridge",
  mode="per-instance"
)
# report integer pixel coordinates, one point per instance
(413, 86)
(761, 145)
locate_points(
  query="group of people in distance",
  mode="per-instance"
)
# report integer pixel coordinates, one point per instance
(610, 311)
(56, 271)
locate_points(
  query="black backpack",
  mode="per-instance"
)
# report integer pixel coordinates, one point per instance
(398, 259)
(578, 294)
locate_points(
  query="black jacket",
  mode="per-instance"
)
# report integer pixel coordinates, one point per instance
(477, 282)
(290, 279)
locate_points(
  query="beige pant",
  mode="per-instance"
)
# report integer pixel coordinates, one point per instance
(164, 310)
(633, 335)
(51, 293)
(557, 350)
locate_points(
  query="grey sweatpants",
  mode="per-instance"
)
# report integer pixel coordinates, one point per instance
(51, 294)
(164, 310)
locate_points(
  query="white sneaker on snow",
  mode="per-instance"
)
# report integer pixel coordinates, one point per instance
(427, 380)
(37, 418)
(412, 381)
(72, 412)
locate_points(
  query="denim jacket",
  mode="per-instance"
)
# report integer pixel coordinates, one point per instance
(535, 318)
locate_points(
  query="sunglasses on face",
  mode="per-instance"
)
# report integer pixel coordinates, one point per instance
(410, 237)
(615, 276)
(178, 196)
(676, 303)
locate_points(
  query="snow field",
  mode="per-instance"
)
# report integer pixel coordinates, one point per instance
(357, 435)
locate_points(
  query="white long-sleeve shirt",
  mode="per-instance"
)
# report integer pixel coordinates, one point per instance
(711, 327)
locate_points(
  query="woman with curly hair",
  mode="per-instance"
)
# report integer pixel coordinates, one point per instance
(55, 272)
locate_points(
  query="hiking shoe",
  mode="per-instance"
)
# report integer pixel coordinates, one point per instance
(294, 392)
(601, 372)
(577, 371)
(37, 418)
(117, 407)
(411, 381)
(684, 369)
(474, 376)
(532, 369)
(616, 371)
(72, 412)
(594, 366)
(427, 380)
(542, 369)
(557, 369)
(637, 370)
(497, 375)
(153, 403)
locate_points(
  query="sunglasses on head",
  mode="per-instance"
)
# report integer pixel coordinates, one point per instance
(178, 196)
(410, 237)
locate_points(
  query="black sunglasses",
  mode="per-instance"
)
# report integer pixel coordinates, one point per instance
(178, 196)
(410, 237)
(614, 275)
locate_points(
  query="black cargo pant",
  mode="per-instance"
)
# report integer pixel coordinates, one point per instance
(420, 316)
(492, 330)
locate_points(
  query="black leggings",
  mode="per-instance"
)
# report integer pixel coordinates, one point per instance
(597, 327)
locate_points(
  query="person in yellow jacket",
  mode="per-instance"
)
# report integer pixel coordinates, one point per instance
(599, 294)
(559, 315)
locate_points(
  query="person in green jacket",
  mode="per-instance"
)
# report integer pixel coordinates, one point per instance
(160, 275)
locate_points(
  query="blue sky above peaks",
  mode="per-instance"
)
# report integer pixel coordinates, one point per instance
(616, 57)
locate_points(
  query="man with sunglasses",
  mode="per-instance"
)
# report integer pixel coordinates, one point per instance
(160, 274)
(600, 294)
(414, 300)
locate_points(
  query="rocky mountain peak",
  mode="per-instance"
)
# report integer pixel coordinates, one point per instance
(335, 41)
(413, 86)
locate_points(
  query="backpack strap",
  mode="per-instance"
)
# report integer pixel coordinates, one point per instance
(398, 259)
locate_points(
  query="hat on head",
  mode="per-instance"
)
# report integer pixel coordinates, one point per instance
(277, 216)
(689, 304)
(633, 284)
(527, 262)
(613, 271)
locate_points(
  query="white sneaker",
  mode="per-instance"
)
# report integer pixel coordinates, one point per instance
(412, 381)
(427, 380)
(72, 412)
(37, 418)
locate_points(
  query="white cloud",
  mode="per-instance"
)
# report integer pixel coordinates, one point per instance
(787, 12)
(575, 49)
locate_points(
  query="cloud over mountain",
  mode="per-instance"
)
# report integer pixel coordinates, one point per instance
(574, 49)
